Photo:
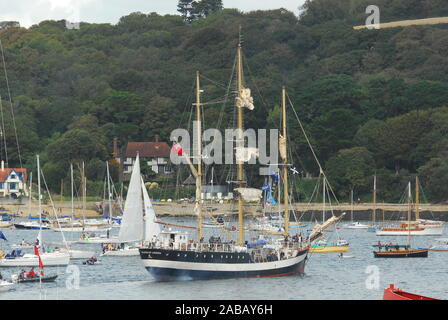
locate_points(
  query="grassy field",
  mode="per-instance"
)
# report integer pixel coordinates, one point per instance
(407, 23)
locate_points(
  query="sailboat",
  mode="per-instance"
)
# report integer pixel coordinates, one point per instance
(321, 245)
(75, 254)
(402, 251)
(373, 227)
(417, 227)
(173, 256)
(78, 226)
(139, 220)
(32, 260)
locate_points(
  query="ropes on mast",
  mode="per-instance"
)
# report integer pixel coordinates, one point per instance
(311, 147)
(10, 101)
(3, 130)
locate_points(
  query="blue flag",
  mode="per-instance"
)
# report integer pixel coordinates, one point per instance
(274, 177)
(266, 187)
(2, 236)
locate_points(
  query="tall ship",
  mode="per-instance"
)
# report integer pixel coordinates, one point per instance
(174, 256)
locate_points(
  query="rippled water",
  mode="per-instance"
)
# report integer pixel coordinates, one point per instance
(327, 277)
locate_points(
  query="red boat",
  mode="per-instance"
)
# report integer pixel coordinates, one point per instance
(393, 293)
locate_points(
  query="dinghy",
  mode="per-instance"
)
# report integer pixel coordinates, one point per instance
(393, 293)
(18, 278)
(5, 285)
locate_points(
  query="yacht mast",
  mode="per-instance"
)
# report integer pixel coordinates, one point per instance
(109, 194)
(71, 187)
(374, 201)
(323, 208)
(31, 189)
(199, 157)
(409, 213)
(240, 143)
(417, 199)
(40, 203)
(285, 162)
(351, 203)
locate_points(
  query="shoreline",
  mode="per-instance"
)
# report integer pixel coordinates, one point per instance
(307, 211)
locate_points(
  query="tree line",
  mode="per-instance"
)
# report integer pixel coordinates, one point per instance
(374, 97)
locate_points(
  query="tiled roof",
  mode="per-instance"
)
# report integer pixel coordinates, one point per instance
(148, 149)
(5, 173)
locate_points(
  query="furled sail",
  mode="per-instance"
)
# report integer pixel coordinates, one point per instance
(282, 147)
(151, 227)
(245, 100)
(131, 228)
(245, 154)
(250, 194)
(319, 228)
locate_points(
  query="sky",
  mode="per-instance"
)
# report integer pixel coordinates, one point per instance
(29, 12)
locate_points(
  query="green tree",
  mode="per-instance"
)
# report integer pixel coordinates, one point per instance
(350, 169)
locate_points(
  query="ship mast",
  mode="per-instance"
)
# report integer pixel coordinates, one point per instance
(285, 162)
(409, 214)
(240, 143)
(374, 201)
(199, 157)
(417, 199)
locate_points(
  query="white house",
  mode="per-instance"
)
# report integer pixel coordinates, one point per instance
(12, 182)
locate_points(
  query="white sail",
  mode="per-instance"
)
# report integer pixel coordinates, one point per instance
(245, 154)
(131, 228)
(282, 147)
(245, 100)
(250, 194)
(151, 227)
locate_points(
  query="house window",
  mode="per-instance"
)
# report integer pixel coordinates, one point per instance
(13, 176)
(12, 186)
(2, 185)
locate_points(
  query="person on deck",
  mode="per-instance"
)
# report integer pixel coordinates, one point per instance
(31, 273)
(379, 245)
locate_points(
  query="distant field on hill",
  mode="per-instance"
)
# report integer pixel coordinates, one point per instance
(407, 23)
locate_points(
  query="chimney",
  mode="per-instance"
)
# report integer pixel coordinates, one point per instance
(157, 138)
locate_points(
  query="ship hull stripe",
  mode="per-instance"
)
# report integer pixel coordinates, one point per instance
(169, 274)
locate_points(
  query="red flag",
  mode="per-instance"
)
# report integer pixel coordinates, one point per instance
(41, 265)
(177, 149)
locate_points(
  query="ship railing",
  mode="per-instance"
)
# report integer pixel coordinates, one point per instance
(216, 247)
(195, 246)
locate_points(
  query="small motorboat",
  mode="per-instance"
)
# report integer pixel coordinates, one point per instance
(31, 225)
(393, 293)
(5, 285)
(19, 278)
(323, 246)
(127, 251)
(356, 225)
(92, 261)
(345, 256)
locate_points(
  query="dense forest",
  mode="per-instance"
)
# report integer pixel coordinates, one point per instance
(372, 101)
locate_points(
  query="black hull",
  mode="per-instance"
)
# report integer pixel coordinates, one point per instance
(184, 274)
(36, 279)
(396, 254)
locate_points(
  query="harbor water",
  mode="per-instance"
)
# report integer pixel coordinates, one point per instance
(327, 275)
